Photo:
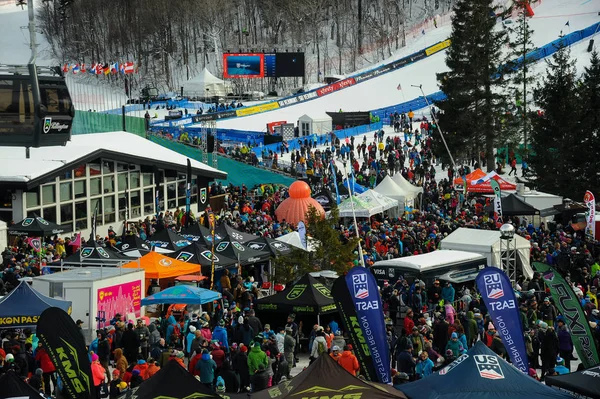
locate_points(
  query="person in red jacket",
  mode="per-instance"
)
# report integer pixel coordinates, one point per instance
(43, 359)
(218, 355)
(348, 361)
(409, 322)
(192, 366)
(142, 366)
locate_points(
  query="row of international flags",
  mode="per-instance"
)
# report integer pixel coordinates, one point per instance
(124, 68)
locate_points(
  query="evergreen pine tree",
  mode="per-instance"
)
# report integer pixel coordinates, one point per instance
(522, 78)
(471, 114)
(590, 128)
(555, 135)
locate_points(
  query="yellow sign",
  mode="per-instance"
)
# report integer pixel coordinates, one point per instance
(438, 47)
(18, 320)
(257, 109)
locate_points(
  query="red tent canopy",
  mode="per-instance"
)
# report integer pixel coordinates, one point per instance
(474, 175)
(484, 187)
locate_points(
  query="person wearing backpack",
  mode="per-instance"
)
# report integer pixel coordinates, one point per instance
(319, 346)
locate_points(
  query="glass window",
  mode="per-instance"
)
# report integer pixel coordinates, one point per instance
(171, 191)
(134, 180)
(80, 171)
(93, 203)
(50, 214)
(109, 184)
(67, 176)
(122, 178)
(136, 204)
(147, 178)
(181, 202)
(181, 189)
(123, 207)
(6, 199)
(32, 198)
(66, 213)
(108, 167)
(95, 169)
(80, 191)
(121, 167)
(149, 201)
(48, 194)
(109, 209)
(96, 186)
(81, 215)
(66, 191)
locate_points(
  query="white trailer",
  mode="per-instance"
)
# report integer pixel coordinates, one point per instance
(96, 293)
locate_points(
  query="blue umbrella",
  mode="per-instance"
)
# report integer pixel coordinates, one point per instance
(186, 294)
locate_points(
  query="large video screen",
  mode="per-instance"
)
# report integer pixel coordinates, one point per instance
(243, 65)
(289, 64)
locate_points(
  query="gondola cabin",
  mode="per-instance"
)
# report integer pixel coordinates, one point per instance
(35, 106)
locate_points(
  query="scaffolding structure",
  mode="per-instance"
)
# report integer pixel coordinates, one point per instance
(206, 127)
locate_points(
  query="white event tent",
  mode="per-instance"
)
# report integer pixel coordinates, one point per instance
(487, 243)
(206, 85)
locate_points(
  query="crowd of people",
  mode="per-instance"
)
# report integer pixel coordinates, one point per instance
(430, 324)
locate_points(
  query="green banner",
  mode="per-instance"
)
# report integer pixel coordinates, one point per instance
(567, 303)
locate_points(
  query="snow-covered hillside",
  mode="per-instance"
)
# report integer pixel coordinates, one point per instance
(548, 23)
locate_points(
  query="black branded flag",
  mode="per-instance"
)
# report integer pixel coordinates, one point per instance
(66, 347)
(188, 193)
(351, 324)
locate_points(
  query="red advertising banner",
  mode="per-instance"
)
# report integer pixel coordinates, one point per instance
(342, 84)
(121, 298)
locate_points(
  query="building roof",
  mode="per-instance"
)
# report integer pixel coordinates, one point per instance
(86, 274)
(424, 262)
(48, 162)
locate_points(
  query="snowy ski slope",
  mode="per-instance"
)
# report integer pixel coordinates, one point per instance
(548, 23)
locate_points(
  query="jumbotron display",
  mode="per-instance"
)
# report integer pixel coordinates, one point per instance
(261, 65)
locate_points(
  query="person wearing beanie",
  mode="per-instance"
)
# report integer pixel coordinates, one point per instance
(560, 367)
(244, 333)
(336, 353)
(98, 373)
(220, 385)
(36, 381)
(152, 368)
(239, 363)
(189, 339)
(424, 366)
(206, 367)
(114, 389)
(455, 345)
(489, 334)
(43, 359)
(220, 335)
(136, 378)
(256, 357)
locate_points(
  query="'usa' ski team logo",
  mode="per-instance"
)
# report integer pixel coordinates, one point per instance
(493, 286)
(488, 367)
(361, 288)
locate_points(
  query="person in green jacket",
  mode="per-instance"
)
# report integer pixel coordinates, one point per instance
(455, 346)
(255, 358)
(471, 330)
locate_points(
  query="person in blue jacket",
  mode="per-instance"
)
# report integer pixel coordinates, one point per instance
(170, 328)
(560, 366)
(220, 335)
(448, 293)
(424, 366)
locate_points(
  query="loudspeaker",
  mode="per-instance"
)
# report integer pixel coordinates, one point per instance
(590, 46)
(210, 143)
